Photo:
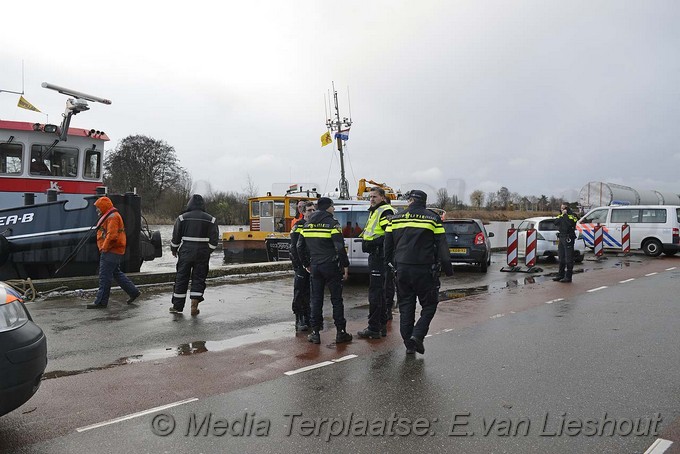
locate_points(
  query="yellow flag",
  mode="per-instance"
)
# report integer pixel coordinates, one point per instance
(26, 105)
(326, 138)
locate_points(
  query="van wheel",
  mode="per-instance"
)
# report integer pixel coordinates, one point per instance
(652, 248)
(578, 258)
(670, 253)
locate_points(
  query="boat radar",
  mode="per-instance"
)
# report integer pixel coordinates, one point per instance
(74, 105)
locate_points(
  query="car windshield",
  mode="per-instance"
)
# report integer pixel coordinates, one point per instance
(461, 228)
(549, 225)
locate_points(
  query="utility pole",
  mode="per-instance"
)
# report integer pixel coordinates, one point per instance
(340, 126)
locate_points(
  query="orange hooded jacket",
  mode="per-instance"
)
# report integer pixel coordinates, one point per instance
(111, 232)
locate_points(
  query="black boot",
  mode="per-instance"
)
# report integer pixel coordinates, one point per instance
(315, 337)
(342, 336)
(302, 323)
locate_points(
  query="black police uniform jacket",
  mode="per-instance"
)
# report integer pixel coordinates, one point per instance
(566, 224)
(195, 231)
(321, 241)
(416, 236)
(294, 238)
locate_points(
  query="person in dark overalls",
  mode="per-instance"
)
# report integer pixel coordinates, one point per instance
(301, 284)
(194, 237)
(566, 225)
(415, 244)
(322, 251)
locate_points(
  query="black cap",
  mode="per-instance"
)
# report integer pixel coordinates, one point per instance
(416, 194)
(324, 203)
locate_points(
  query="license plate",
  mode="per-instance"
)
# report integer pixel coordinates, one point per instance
(458, 250)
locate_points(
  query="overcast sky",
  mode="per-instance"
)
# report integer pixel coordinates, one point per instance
(537, 96)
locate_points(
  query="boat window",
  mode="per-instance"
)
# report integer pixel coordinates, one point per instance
(267, 209)
(279, 221)
(10, 158)
(55, 161)
(625, 215)
(255, 209)
(654, 216)
(93, 159)
(292, 208)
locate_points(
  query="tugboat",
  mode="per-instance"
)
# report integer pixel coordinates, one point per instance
(50, 177)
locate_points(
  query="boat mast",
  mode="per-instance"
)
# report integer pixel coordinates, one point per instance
(337, 125)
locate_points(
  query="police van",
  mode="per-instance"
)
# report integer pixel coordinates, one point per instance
(653, 228)
(352, 216)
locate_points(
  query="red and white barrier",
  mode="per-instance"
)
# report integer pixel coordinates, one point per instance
(597, 242)
(625, 238)
(512, 247)
(530, 256)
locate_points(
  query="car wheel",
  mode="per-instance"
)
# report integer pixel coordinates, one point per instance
(652, 247)
(670, 253)
(483, 267)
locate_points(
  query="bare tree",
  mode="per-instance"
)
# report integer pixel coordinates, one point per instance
(477, 198)
(251, 190)
(442, 198)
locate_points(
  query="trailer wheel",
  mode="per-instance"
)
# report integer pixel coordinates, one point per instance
(652, 247)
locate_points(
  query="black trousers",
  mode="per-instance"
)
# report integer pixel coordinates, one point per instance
(377, 314)
(565, 252)
(191, 265)
(327, 275)
(390, 290)
(301, 292)
(416, 281)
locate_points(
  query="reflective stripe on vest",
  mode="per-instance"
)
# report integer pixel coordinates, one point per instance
(373, 228)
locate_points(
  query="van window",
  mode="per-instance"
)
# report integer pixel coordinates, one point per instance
(656, 216)
(626, 215)
(351, 222)
(595, 217)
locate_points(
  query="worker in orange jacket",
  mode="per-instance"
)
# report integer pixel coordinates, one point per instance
(111, 241)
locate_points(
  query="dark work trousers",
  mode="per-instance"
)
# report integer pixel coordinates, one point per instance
(327, 275)
(301, 292)
(416, 281)
(565, 251)
(389, 292)
(109, 269)
(192, 264)
(377, 316)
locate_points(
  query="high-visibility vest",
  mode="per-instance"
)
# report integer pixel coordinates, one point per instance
(374, 228)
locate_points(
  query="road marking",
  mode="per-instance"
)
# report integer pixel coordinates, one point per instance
(659, 446)
(651, 274)
(344, 358)
(497, 316)
(448, 330)
(596, 289)
(429, 335)
(306, 368)
(671, 268)
(136, 415)
(554, 301)
(627, 280)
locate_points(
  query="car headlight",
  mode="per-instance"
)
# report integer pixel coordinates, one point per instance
(12, 316)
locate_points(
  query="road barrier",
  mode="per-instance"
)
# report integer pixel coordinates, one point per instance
(530, 256)
(625, 238)
(597, 241)
(512, 246)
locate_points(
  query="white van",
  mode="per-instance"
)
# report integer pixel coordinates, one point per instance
(653, 228)
(353, 215)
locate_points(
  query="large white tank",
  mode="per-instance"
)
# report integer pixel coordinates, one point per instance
(599, 193)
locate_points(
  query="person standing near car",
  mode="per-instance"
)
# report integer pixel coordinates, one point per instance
(301, 286)
(322, 251)
(194, 237)
(415, 244)
(566, 226)
(373, 240)
(111, 242)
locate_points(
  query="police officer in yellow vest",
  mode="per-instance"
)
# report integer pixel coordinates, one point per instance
(373, 242)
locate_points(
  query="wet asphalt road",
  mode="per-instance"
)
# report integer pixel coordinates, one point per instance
(498, 353)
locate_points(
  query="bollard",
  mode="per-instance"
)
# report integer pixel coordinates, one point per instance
(29, 198)
(51, 195)
(597, 241)
(512, 246)
(625, 238)
(530, 256)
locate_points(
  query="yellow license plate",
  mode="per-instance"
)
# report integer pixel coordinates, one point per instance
(458, 250)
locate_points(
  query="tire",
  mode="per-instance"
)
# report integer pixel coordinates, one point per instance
(578, 258)
(652, 247)
(483, 267)
(670, 253)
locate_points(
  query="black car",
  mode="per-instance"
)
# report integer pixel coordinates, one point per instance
(23, 351)
(468, 242)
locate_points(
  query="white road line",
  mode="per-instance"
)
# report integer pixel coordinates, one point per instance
(429, 335)
(448, 330)
(136, 415)
(344, 358)
(596, 289)
(627, 280)
(497, 316)
(659, 446)
(671, 268)
(554, 301)
(306, 368)
(651, 274)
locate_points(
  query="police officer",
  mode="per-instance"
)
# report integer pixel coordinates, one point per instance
(194, 237)
(301, 283)
(415, 243)
(566, 224)
(373, 239)
(322, 251)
